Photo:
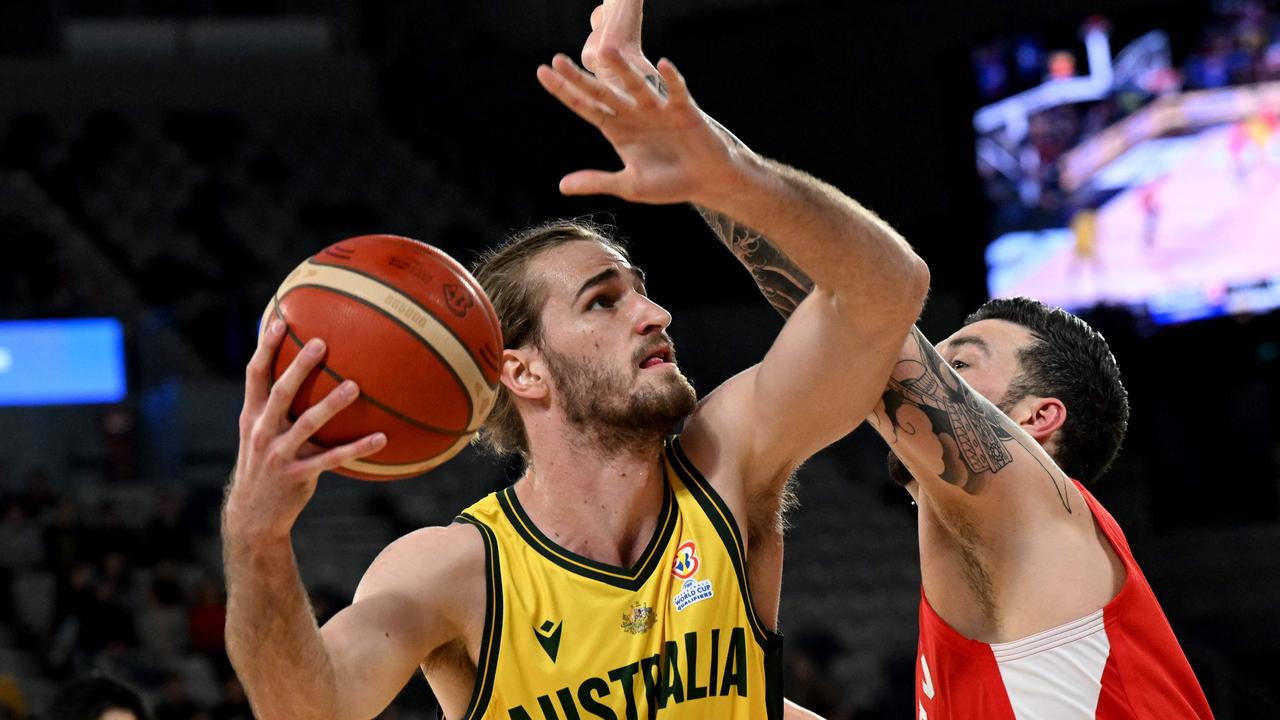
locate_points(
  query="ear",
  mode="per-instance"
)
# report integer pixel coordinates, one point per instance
(1042, 417)
(523, 373)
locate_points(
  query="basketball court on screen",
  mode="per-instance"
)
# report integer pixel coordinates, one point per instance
(1194, 216)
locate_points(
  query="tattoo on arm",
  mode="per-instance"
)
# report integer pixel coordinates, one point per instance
(781, 281)
(974, 434)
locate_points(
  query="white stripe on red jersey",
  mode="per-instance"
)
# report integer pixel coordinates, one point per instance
(1119, 663)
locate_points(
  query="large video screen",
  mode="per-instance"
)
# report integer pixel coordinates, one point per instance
(61, 362)
(1136, 162)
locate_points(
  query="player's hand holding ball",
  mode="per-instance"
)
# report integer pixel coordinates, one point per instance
(378, 359)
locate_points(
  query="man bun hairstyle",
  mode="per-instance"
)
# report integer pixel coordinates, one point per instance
(1071, 361)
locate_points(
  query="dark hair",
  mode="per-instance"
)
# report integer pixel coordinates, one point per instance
(87, 698)
(518, 304)
(1071, 361)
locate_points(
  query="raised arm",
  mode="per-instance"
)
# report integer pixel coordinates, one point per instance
(954, 440)
(829, 365)
(617, 25)
(289, 667)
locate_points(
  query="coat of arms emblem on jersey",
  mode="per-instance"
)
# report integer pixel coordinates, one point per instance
(638, 619)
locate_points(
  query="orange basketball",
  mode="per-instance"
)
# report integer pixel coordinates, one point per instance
(413, 328)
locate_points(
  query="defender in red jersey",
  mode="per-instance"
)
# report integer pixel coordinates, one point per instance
(1032, 605)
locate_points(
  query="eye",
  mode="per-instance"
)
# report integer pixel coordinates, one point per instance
(602, 302)
(959, 364)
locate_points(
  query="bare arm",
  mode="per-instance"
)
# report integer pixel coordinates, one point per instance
(272, 638)
(355, 665)
(828, 366)
(781, 281)
(290, 669)
(952, 437)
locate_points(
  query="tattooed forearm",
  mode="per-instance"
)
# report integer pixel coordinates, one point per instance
(974, 434)
(781, 281)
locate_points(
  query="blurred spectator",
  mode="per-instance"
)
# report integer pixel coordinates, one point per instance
(97, 698)
(808, 676)
(163, 623)
(234, 705)
(64, 539)
(111, 535)
(175, 703)
(166, 536)
(166, 584)
(38, 496)
(104, 618)
(20, 549)
(13, 705)
(119, 437)
(208, 619)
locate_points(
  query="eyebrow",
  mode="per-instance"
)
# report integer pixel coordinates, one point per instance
(970, 340)
(606, 276)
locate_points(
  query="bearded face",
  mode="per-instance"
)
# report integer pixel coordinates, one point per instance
(616, 409)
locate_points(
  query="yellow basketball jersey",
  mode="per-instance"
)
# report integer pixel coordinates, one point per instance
(674, 636)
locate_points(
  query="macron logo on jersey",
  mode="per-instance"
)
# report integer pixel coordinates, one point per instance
(549, 638)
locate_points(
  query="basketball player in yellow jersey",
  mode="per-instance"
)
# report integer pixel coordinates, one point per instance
(626, 574)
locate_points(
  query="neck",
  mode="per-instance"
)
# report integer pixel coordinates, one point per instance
(600, 504)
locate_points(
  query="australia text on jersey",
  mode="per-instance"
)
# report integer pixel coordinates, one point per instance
(667, 677)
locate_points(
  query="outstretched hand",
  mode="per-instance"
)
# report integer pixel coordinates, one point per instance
(669, 150)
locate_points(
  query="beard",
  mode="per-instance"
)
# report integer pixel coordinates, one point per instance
(599, 401)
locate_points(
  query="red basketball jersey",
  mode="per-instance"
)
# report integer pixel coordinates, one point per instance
(1119, 662)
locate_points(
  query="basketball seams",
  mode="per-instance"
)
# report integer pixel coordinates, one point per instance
(377, 470)
(455, 322)
(388, 469)
(458, 347)
(470, 283)
(339, 378)
(453, 354)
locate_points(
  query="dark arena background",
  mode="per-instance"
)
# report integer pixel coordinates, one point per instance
(164, 164)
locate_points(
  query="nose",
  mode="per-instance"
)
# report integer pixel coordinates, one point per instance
(650, 317)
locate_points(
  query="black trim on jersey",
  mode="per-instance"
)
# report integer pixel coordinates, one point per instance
(722, 519)
(773, 695)
(490, 639)
(626, 578)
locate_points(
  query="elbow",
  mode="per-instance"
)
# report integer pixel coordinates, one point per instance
(915, 287)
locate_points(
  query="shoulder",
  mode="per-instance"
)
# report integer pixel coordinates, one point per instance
(419, 564)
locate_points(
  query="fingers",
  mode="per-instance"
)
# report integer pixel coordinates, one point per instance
(317, 415)
(335, 457)
(602, 93)
(632, 79)
(677, 88)
(286, 387)
(257, 374)
(564, 91)
(593, 182)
